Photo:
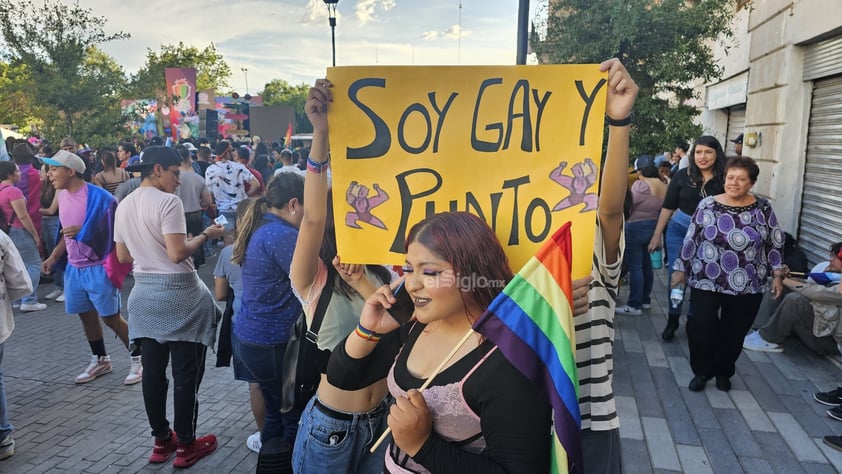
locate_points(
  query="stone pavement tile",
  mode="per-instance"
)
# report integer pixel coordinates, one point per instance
(755, 465)
(694, 459)
(231, 458)
(796, 438)
(776, 451)
(753, 415)
(717, 398)
(762, 391)
(679, 421)
(622, 375)
(834, 456)
(655, 354)
(635, 456)
(787, 366)
(681, 371)
(660, 444)
(719, 450)
(630, 427)
(625, 326)
(644, 388)
(814, 468)
(815, 425)
(778, 382)
(738, 433)
(701, 413)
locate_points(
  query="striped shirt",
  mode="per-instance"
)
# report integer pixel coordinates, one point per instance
(595, 342)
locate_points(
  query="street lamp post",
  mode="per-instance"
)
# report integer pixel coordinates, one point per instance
(331, 18)
(246, 72)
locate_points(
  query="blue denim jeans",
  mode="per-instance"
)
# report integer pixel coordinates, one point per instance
(331, 445)
(676, 230)
(638, 234)
(49, 235)
(31, 258)
(5, 427)
(265, 365)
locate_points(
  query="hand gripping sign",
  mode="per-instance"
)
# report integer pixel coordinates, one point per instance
(519, 146)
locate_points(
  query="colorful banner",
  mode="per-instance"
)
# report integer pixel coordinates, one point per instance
(181, 90)
(140, 116)
(520, 146)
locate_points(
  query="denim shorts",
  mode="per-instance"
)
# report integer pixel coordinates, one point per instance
(332, 442)
(240, 370)
(87, 289)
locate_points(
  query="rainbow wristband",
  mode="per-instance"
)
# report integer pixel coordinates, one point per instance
(316, 166)
(366, 334)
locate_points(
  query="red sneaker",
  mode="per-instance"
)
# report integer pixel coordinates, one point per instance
(162, 450)
(187, 454)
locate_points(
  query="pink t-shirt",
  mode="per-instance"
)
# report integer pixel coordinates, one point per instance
(7, 195)
(71, 211)
(30, 185)
(143, 218)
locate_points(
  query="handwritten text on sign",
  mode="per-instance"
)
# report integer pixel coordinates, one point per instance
(519, 146)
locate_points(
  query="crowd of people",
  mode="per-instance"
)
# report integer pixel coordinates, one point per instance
(724, 244)
(89, 219)
(150, 212)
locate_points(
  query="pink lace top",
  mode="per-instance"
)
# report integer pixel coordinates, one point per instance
(453, 419)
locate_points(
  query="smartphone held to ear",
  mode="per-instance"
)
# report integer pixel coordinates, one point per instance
(402, 309)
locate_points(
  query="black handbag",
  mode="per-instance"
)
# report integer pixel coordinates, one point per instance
(304, 362)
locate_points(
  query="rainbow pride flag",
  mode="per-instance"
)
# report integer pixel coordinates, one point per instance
(531, 322)
(288, 137)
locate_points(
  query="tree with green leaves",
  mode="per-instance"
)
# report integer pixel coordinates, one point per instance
(280, 92)
(212, 72)
(73, 83)
(665, 44)
(15, 104)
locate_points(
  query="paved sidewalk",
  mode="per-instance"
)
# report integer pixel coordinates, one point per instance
(767, 423)
(101, 426)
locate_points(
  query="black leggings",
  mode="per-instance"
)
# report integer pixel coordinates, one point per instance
(717, 328)
(188, 368)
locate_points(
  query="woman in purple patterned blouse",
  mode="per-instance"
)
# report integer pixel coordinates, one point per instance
(732, 246)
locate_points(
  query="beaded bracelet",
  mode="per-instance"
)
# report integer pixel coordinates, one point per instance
(367, 334)
(316, 166)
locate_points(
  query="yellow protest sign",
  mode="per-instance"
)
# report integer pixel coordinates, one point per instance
(520, 146)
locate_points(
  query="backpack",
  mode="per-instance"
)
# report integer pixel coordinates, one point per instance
(5, 223)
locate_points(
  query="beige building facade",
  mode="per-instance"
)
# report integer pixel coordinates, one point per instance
(782, 88)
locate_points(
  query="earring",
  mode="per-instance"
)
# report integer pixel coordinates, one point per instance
(293, 211)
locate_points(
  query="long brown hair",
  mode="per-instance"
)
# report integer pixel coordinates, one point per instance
(279, 192)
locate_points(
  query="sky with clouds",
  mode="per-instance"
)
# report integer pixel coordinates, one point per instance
(290, 39)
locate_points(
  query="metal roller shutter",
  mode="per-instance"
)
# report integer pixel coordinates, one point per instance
(823, 59)
(736, 125)
(820, 223)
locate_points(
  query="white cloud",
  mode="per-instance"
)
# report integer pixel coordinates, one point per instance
(452, 32)
(365, 9)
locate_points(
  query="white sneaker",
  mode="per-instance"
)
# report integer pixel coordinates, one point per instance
(60, 298)
(253, 442)
(29, 307)
(135, 372)
(755, 342)
(54, 294)
(626, 309)
(646, 306)
(98, 366)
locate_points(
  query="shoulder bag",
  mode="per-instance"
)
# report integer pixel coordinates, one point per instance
(304, 362)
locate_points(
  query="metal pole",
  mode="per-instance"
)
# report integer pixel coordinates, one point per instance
(522, 30)
(333, 38)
